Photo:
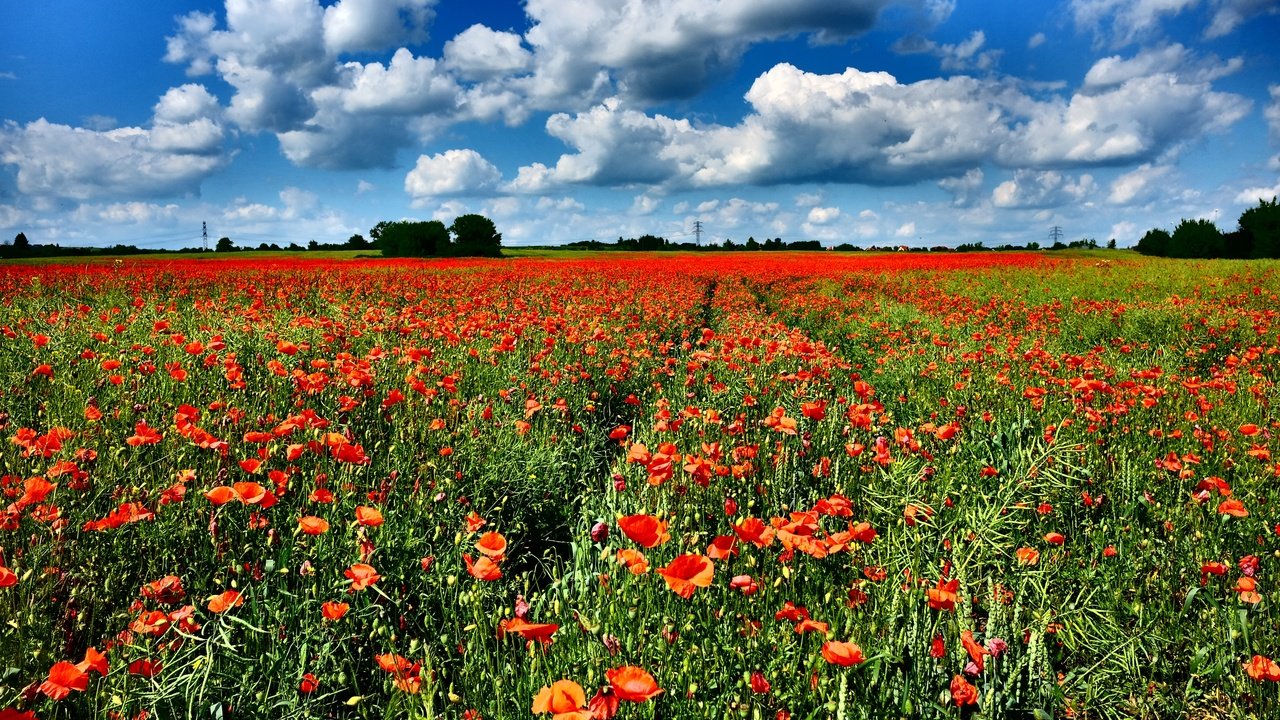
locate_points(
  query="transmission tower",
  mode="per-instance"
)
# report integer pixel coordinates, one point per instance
(1055, 233)
(697, 231)
(204, 233)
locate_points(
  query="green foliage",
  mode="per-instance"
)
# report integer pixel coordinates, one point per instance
(1155, 242)
(1262, 226)
(224, 245)
(1198, 238)
(475, 235)
(413, 239)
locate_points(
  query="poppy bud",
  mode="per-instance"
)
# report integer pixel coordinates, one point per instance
(600, 532)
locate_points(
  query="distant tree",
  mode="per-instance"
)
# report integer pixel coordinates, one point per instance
(1111, 244)
(313, 245)
(1198, 238)
(651, 242)
(1033, 245)
(295, 247)
(1262, 224)
(1156, 242)
(263, 246)
(375, 233)
(475, 235)
(729, 244)
(414, 239)
(357, 242)
(752, 243)
(20, 241)
(224, 245)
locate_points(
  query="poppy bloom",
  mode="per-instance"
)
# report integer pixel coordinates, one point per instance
(976, 652)
(632, 684)
(334, 610)
(63, 678)
(541, 632)
(635, 561)
(371, 517)
(492, 544)
(225, 601)
(1027, 556)
(1263, 668)
(843, 654)
(309, 684)
(962, 692)
(564, 699)
(313, 525)
(759, 683)
(361, 576)
(93, 660)
(1233, 507)
(1054, 538)
(222, 495)
(943, 596)
(687, 573)
(644, 530)
(8, 578)
(482, 569)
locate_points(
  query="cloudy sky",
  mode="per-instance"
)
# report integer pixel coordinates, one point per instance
(867, 121)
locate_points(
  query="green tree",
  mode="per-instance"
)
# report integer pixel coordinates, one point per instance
(357, 242)
(1111, 244)
(224, 245)
(375, 233)
(1155, 242)
(413, 239)
(1262, 224)
(20, 242)
(475, 235)
(1198, 238)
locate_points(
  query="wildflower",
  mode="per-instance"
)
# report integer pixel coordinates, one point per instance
(687, 573)
(632, 684)
(564, 699)
(844, 654)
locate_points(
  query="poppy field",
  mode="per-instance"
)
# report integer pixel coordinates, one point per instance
(672, 486)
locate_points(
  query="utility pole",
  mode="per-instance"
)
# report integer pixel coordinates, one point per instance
(697, 232)
(204, 232)
(1055, 233)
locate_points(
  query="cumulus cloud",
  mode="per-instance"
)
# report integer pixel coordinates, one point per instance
(366, 25)
(1137, 185)
(1036, 41)
(966, 55)
(1231, 14)
(868, 128)
(182, 146)
(127, 213)
(823, 215)
(453, 172)
(1113, 71)
(1045, 189)
(480, 53)
(1119, 22)
(1272, 114)
(1251, 196)
(965, 189)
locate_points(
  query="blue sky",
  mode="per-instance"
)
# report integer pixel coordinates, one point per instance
(876, 122)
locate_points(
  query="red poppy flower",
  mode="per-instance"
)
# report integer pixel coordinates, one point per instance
(63, 678)
(361, 576)
(1233, 507)
(1263, 668)
(564, 699)
(636, 562)
(93, 660)
(8, 578)
(1027, 556)
(540, 632)
(309, 684)
(687, 573)
(962, 693)
(644, 530)
(943, 596)
(225, 601)
(492, 544)
(843, 654)
(977, 653)
(312, 525)
(632, 684)
(482, 569)
(334, 610)
(372, 517)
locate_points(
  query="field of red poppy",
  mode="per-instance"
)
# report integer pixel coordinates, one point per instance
(707, 486)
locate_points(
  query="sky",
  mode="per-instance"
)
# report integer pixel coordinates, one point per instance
(873, 122)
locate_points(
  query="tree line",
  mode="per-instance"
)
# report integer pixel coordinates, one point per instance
(1257, 235)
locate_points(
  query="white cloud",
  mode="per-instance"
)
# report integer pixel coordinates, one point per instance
(965, 189)
(1036, 41)
(966, 55)
(183, 146)
(1120, 22)
(128, 213)
(905, 230)
(453, 172)
(1139, 184)
(1231, 14)
(481, 53)
(1251, 196)
(407, 86)
(1169, 60)
(364, 25)
(1272, 114)
(823, 215)
(1044, 189)
(364, 186)
(645, 205)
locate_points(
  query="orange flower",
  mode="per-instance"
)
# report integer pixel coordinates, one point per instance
(492, 544)
(1247, 587)
(632, 684)
(1263, 668)
(334, 610)
(63, 678)
(371, 517)
(943, 596)
(474, 522)
(222, 495)
(482, 569)
(251, 493)
(225, 601)
(1233, 507)
(564, 699)
(843, 654)
(687, 573)
(962, 692)
(644, 530)
(93, 660)
(1028, 556)
(976, 652)
(635, 561)
(313, 525)
(8, 578)
(540, 632)
(1054, 538)
(361, 576)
